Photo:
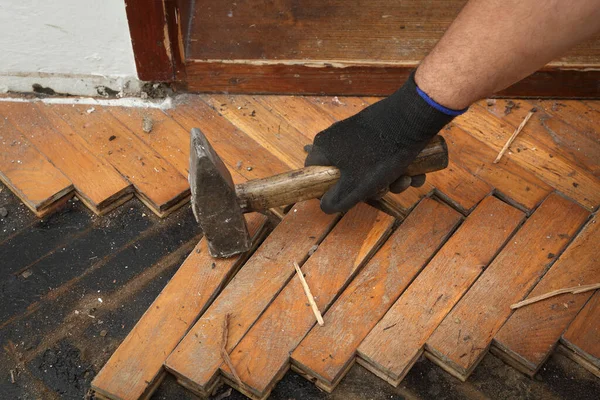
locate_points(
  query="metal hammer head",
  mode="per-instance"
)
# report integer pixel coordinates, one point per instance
(214, 201)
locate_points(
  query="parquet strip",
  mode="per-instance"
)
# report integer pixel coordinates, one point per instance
(396, 342)
(530, 335)
(136, 368)
(340, 108)
(327, 352)
(40, 185)
(554, 169)
(581, 337)
(237, 150)
(464, 336)
(157, 183)
(196, 360)
(262, 356)
(511, 182)
(96, 182)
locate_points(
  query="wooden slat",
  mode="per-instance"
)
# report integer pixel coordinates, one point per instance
(157, 183)
(512, 182)
(397, 341)
(463, 338)
(135, 368)
(30, 176)
(328, 351)
(196, 360)
(581, 338)
(262, 356)
(531, 333)
(555, 170)
(97, 183)
(236, 149)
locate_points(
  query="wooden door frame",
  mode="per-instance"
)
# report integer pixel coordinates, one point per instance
(158, 30)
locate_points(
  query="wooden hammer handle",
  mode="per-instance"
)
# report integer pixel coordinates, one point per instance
(312, 182)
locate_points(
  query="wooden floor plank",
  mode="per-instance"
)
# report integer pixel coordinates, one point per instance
(196, 360)
(157, 183)
(563, 175)
(97, 183)
(327, 351)
(136, 365)
(529, 336)
(512, 182)
(397, 341)
(464, 336)
(262, 356)
(581, 337)
(28, 173)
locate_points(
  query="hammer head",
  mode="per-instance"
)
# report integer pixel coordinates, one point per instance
(214, 201)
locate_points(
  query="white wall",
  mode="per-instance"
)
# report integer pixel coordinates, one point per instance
(68, 45)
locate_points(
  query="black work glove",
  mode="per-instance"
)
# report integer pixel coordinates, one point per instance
(373, 148)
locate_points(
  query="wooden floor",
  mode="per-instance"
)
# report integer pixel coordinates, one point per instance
(475, 239)
(336, 47)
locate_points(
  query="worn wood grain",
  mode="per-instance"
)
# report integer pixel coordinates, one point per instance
(27, 172)
(511, 181)
(581, 337)
(196, 360)
(136, 365)
(262, 356)
(157, 183)
(555, 170)
(96, 182)
(397, 341)
(529, 336)
(464, 336)
(327, 352)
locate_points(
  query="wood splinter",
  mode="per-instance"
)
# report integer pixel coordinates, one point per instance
(311, 299)
(574, 290)
(514, 135)
(224, 353)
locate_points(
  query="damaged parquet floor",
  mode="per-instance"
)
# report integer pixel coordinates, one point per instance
(437, 282)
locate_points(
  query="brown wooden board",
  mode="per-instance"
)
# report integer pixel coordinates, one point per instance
(157, 183)
(464, 336)
(136, 365)
(327, 351)
(96, 182)
(511, 182)
(581, 338)
(28, 173)
(196, 360)
(554, 169)
(530, 335)
(396, 342)
(262, 356)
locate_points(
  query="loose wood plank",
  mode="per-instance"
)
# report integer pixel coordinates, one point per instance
(262, 356)
(239, 152)
(97, 183)
(327, 351)
(397, 341)
(512, 182)
(157, 183)
(528, 337)
(40, 185)
(464, 336)
(135, 368)
(581, 338)
(529, 153)
(196, 360)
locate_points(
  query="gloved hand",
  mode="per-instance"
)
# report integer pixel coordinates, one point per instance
(373, 148)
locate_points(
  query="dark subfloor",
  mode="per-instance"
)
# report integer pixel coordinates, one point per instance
(73, 285)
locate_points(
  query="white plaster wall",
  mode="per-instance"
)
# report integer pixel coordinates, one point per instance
(75, 45)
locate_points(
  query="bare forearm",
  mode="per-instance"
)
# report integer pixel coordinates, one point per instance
(495, 43)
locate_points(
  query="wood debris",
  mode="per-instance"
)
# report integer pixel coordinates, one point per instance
(224, 353)
(311, 300)
(574, 290)
(514, 135)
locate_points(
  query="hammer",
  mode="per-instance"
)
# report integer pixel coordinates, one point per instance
(219, 205)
